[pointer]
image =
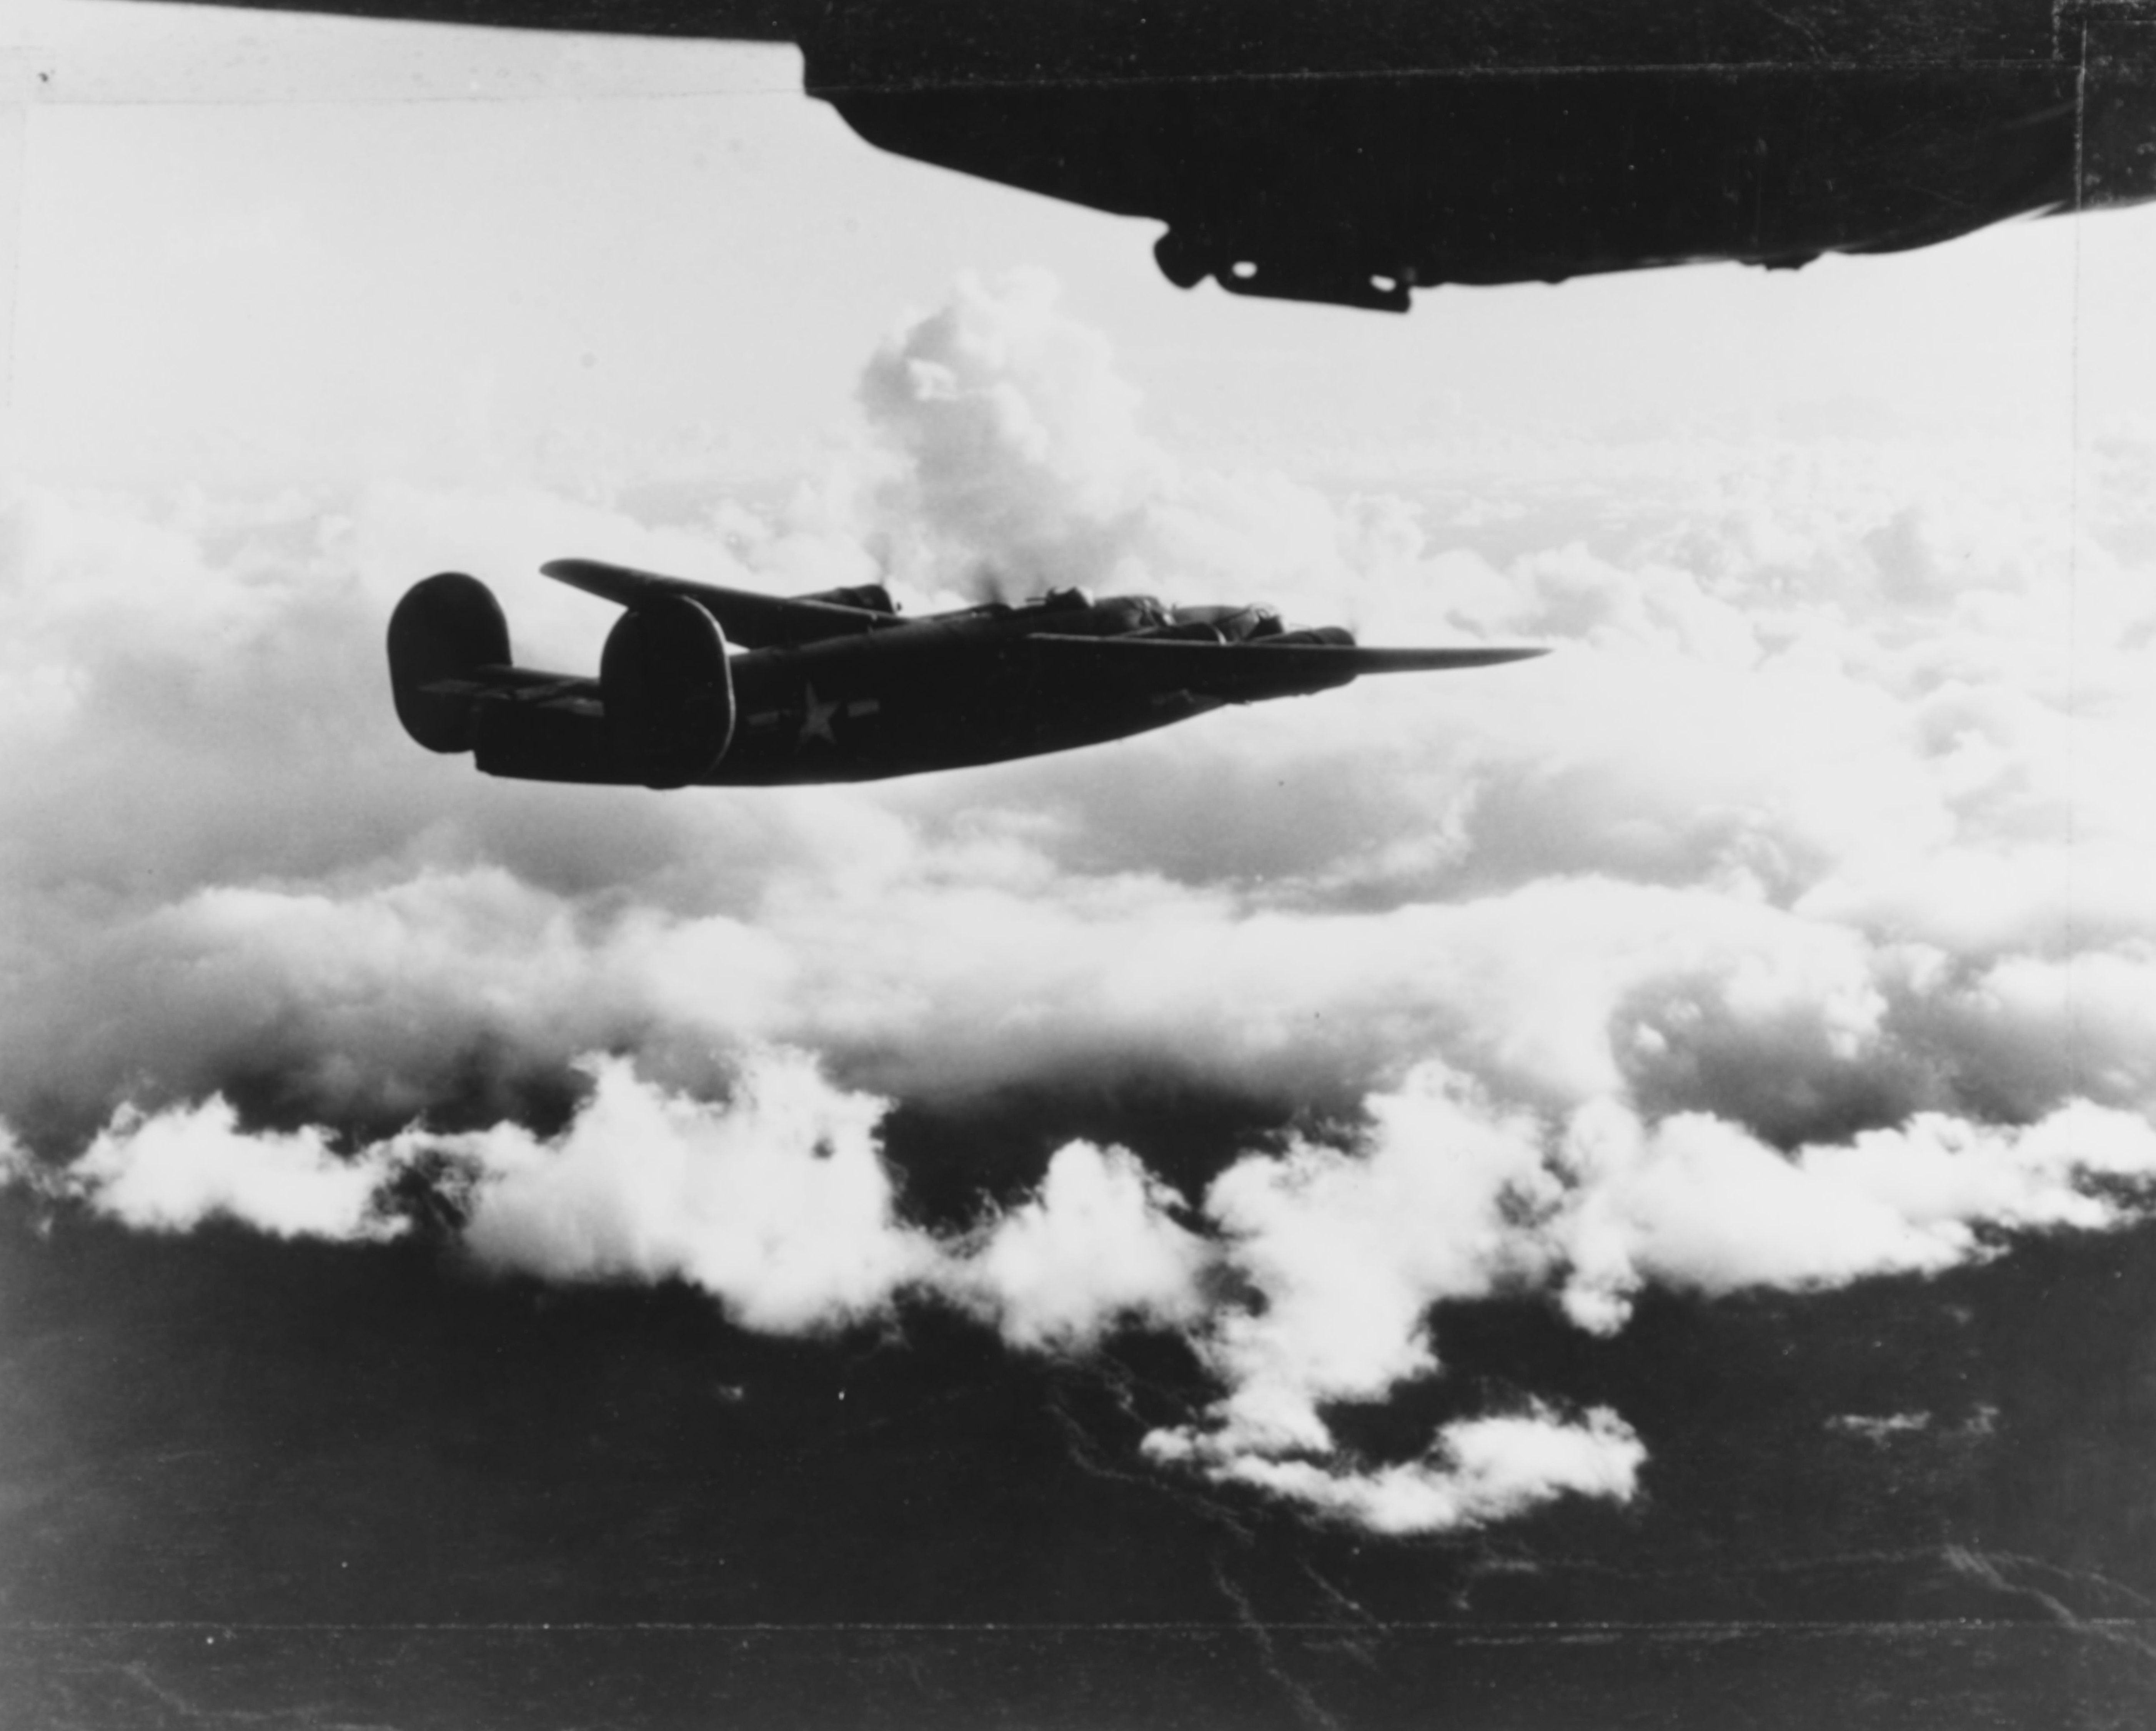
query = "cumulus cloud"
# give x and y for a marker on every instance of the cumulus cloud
(1025, 465)
(1697, 1202)
(172, 1171)
(1792, 925)
(1348, 1249)
(776, 1199)
(1478, 1470)
(1096, 1245)
(1305, 1281)
(1021, 463)
(1443, 1197)
(779, 1204)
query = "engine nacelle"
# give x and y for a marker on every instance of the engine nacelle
(1233, 624)
(869, 597)
(1333, 636)
(1186, 631)
(1312, 680)
(443, 630)
(668, 691)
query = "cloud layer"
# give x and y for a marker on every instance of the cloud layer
(1304, 1280)
(1792, 925)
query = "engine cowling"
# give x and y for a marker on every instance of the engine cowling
(869, 597)
(1310, 680)
(668, 691)
(445, 628)
(1186, 631)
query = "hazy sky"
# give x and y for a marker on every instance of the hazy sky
(266, 247)
(1792, 924)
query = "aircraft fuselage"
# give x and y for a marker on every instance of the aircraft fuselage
(944, 693)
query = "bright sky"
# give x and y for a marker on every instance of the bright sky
(256, 248)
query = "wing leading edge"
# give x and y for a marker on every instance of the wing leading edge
(1227, 667)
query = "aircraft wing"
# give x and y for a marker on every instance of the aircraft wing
(753, 620)
(1230, 667)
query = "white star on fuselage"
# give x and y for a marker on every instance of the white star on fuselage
(815, 719)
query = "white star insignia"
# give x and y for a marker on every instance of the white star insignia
(815, 719)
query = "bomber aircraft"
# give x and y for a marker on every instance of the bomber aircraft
(1352, 151)
(839, 685)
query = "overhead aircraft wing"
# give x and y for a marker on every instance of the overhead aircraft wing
(1227, 667)
(753, 620)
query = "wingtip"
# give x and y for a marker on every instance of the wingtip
(1464, 656)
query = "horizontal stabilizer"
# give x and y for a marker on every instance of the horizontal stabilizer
(576, 693)
(753, 620)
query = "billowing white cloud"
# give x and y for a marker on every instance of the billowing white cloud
(1096, 1246)
(1347, 1250)
(1305, 1281)
(1023, 465)
(777, 1204)
(170, 1172)
(1443, 1198)
(1478, 1470)
(1697, 1202)
(775, 1199)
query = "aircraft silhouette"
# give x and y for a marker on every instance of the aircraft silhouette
(837, 685)
(1353, 150)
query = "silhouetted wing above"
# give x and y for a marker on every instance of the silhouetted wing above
(731, 20)
(1355, 151)
(753, 620)
(1228, 667)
